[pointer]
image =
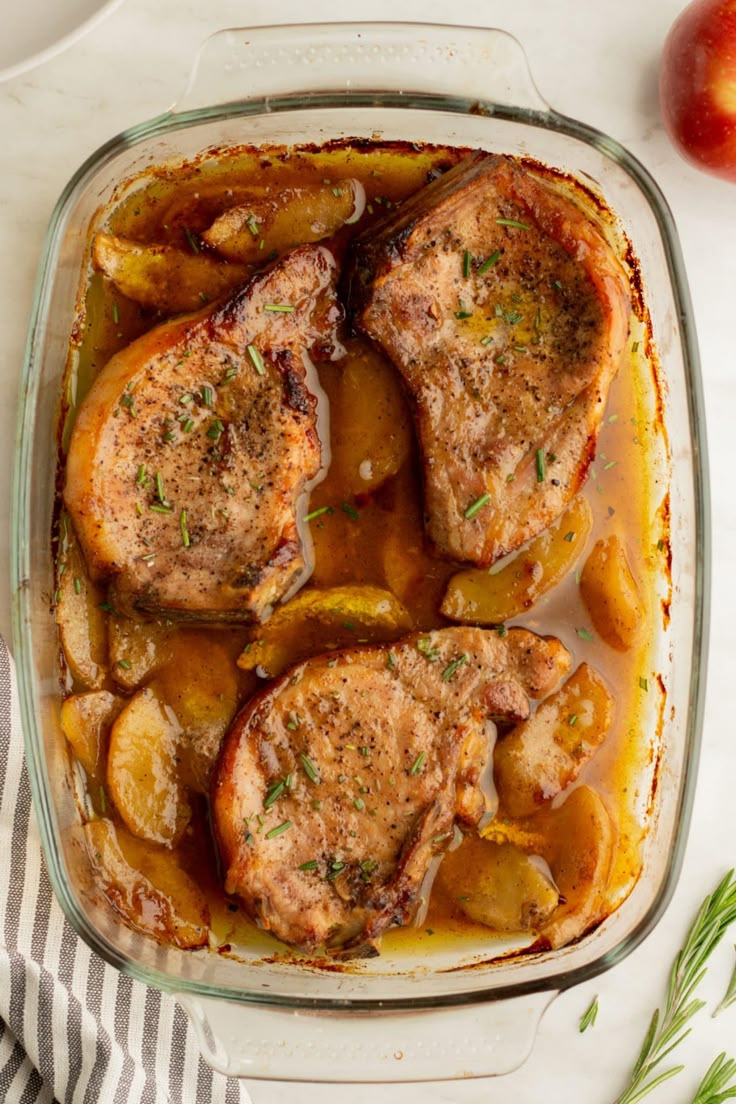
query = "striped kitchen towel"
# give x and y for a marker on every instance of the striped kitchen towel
(72, 1029)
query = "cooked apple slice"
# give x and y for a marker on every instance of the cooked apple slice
(137, 649)
(544, 754)
(317, 621)
(82, 622)
(499, 885)
(579, 843)
(609, 590)
(370, 433)
(162, 277)
(294, 215)
(482, 596)
(200, 684)
(85, 721)
(142, 770)
(147, 886)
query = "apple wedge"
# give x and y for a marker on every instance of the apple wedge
(142, 769)
(147, 886)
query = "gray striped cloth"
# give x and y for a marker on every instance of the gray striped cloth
(72, 1029)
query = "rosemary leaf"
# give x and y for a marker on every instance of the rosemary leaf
(729, 996)
(589, 1017)
(717, 1085)
(669, 1023)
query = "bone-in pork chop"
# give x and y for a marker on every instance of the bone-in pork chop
(506, 312)
(195, 443)
(339, 784)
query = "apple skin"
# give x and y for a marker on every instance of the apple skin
(697, 85)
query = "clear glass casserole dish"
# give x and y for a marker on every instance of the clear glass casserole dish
(451, 86)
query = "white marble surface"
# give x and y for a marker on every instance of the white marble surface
(593, 60)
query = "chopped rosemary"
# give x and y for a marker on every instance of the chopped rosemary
(572, 720)
(279, 308)
(311, 865)
(274, 793)
(359, 804)
(589, 1017)
(667, 1028)
(184, 530)
(570, 536)
(318, 513)
(418, 763)
(424, 645)
(309, 768)
(125, 664)
(476, 506)
(513, 222)
(541, 467)
(279, 829)
(193, 243)
(256, 359)
(466, 263)
(77, 585)
(584, 634)
(489, 262)
(294, 721)
(115, 312)
(140, 478)
(391, 661)
(350, 511)
(160, 509)
(451, 668)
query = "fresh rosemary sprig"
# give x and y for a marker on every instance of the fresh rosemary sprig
(730, 995)
(668, 1026)
(716, 1085)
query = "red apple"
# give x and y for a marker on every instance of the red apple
(697, 85)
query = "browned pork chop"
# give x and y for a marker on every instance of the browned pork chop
(506, 312)
(195, 443)
(338, 785)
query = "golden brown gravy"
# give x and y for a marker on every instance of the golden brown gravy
(381, 536)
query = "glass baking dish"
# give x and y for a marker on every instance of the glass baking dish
(447, 85)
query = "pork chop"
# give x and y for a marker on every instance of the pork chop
(339, 784)
(191, 451)
(506, 312)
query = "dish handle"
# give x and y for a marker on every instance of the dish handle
(287, 1044)
(485, 67)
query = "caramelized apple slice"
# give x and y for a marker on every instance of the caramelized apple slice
(162, 277)
(609, 590)
(482, 596)
(544, 754)
(499, 885)
(579, 842)
(292, 216)
(200, 684)
(85, 721)
(316, 621)
(142, 771)
(370, 434)
(137, 649)
(147, 886)
(82, 623)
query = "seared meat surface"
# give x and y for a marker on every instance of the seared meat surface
(339, 784)
(506, 312)
(195, 443)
